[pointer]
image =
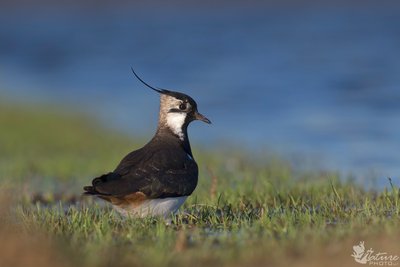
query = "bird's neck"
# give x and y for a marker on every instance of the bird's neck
(165, 133)
(174, 122)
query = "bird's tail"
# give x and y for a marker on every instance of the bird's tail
(90, 190)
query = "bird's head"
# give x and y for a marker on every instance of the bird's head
(177, 110)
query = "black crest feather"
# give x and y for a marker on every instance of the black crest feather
(177, 95)
(158, 90)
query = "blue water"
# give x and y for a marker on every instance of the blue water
(318, 86)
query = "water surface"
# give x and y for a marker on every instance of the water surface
(320, 86)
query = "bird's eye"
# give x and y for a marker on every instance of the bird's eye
(182, 106)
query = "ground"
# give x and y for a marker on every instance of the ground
(248, 210)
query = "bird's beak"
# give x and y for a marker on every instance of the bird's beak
(201, 117)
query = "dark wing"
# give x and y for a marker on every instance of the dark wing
(153, 172)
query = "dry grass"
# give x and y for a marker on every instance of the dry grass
(20, 248)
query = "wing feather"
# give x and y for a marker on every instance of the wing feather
(155, 173)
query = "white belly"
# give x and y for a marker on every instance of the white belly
(153, 207)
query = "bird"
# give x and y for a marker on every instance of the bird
(156, 179)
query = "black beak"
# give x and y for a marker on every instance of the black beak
(201, 117)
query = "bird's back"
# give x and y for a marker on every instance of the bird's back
(161, 169)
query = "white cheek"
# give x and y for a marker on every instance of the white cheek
(175, 122)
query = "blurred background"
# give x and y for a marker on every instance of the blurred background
(314, 82)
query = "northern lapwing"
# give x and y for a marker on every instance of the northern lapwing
(156, 179)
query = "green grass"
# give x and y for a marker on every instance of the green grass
(245, 211)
